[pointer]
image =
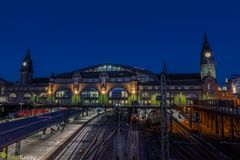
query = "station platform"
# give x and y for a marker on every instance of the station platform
(14, 131)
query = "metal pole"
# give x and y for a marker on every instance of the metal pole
(164, 117)
(232, 128)
(222, 126)
(119, 120)
(216, 125)
(171, 114)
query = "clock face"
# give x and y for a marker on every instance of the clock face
(208, 54)
(24, 64)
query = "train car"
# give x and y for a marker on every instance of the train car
(31, 112)
(23, 113)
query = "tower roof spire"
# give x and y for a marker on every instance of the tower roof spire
(28, 53)
(26, 70)
(27, 62)
(206, 47)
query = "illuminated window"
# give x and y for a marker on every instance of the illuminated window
(145, 95)
(172, 87)
(234, 89)
(186, 87)
(105, 68)
(90, 93)
(120, 80)
(12, 95)
(63, 94)
(27, 95)
(118, 93)
(127, 79)
(149, 87)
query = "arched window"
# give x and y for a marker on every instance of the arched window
(27, 95)
(63, 94)
(90, 93)
(42, 95)
(12, 95)
(118, 93)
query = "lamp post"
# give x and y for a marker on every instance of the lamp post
(50, 94)
(21, 104)
(34, 103)
(21, 99)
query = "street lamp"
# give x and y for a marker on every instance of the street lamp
(35, 103)
(50, 92)
(21, 104)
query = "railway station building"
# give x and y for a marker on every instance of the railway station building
(111, 84)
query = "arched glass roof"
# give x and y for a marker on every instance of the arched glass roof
(105, 68)
(95, 70)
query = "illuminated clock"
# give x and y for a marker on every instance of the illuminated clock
(208, 54)
(24, 64)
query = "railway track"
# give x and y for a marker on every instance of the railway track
(97, 148)
(196, 147)
(132, 143)
(182, 153)
(70, 149)
(120, 139)
(74, 147)
(101, 141)
(228, 148)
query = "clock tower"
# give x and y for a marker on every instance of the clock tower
(26, 71)
(207, 64)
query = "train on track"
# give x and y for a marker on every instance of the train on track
(27, 113)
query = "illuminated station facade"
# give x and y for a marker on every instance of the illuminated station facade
(112, 84)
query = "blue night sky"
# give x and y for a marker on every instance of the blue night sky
(68, 35)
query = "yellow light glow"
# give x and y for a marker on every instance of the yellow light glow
(103, 91)
(75, 92)
(208, 54)
(133, 91)
(24, 64)
(49, 92)
(234, 89)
